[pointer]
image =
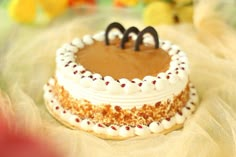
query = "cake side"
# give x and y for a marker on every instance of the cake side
(68, 117)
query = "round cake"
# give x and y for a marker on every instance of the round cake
(121, 83)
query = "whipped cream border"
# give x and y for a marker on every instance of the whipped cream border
(114, 130)
(83, 84)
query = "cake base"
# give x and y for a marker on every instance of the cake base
(103, 136)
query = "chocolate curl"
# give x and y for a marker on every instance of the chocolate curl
(151, 31)
(126, 35)
(110, 27)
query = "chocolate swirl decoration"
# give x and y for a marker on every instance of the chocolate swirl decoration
(126, 36)
(135, 30)
(110, 27)
(139, 39)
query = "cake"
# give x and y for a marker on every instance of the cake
(121, 83)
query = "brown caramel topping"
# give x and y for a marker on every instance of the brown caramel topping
(119, 63)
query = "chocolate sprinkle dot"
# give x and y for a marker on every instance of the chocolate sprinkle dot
(180, 113)
(77, 120)
(100, 125)
(139, 126)
(82, 72)
(168, 119)
(114, 128)
(127, 128)
(122, 85)
(118, 108)
(158, 104)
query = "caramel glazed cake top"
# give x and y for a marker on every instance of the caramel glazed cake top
(127, 70)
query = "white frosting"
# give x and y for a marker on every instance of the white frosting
(114, 34)
(99, 36)
(156, 127)
(86, 125)
(147, 87)
(131, 88)
(74, 120)
(51, 81)
(99, 128)
(99, 85)
(87, 39)
(161, 84)
(78, 43)
(166, 45)
(185, 111)
(141, 130)
(85, 82)
(126, 131)
(190, 106)
(123, 131)
(179, 118)
(167, 124)
(114, 88)
(71, 48)
(113, 130)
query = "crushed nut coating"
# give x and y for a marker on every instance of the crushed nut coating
(107, 114)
